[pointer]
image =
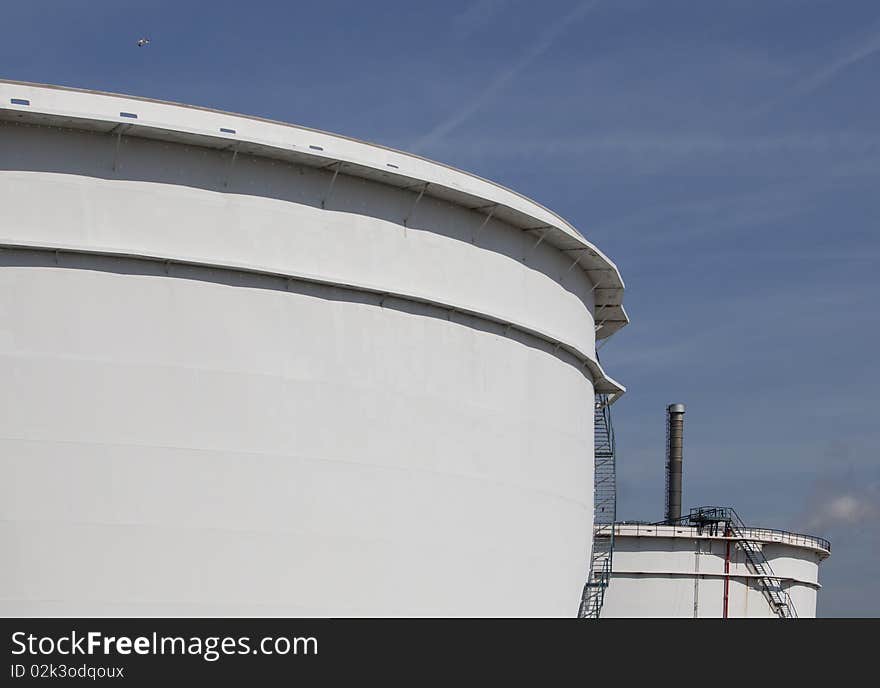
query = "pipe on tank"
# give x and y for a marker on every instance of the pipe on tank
(674, 440)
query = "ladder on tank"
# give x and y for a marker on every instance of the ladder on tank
(771, 586)
(604, 512)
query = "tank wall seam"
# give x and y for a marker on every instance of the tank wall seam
(566, 353)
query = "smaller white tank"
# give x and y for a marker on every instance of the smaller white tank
(686, 571)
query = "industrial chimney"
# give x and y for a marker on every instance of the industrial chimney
(674, 437)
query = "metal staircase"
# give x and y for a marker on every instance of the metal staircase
(710, 517)
(604, 512)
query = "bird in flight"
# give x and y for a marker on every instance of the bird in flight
(142, 42)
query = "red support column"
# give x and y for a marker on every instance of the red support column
(726, 573)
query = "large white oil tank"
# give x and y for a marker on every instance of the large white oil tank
(251, 368)
(684, 571)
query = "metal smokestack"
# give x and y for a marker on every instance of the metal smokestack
(674, 438)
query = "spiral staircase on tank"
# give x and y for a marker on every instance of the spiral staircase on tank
(604, 511)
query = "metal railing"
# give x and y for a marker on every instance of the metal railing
(787, 537)
(754, 533)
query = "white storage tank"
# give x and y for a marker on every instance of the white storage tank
(685, 571)
(707, 563)
(256, 369)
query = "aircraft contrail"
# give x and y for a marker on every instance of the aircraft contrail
(545, 40)
(815, 80)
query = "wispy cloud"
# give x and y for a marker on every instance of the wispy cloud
(543, 43)
(706, 216)
(862, 50)
(477, 15)
(772, 312)
(673, 144)
(839, 506)
(681, 222)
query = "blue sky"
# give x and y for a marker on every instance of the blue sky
(724, 154)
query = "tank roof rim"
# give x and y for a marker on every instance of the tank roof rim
(610, 270)
(811, 542)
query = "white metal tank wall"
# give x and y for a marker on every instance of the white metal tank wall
(270, 217)
(674, 571)
(220, 397)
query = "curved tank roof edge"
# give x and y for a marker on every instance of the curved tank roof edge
(301, 127)
(771, 536)
(616, 282)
